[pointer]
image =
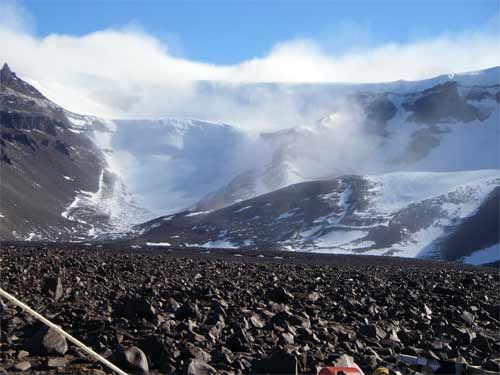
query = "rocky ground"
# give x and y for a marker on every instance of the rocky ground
(220, 312)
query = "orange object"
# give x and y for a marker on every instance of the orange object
(333, 370)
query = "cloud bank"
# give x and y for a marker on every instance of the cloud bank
(129, 73)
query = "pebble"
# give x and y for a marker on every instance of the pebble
(22, 366)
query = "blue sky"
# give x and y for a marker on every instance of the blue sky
(141, 58)
(228, 32)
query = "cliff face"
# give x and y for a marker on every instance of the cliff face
(43, 163)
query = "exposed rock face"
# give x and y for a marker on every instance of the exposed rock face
(379, 109)
(9, 79)
(442, 103)
(478, 231)
(351, 214)
(38, 150)
(54, 179)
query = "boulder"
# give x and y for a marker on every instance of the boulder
(131, 359)
(47, 341)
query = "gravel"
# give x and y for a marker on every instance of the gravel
(205, 313)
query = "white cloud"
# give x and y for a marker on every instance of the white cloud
(129, 73)
(14, 16)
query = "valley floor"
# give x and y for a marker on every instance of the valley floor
(243, 313)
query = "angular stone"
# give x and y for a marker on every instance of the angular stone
(483, 342)
(239, 341)
(22, 366)
(57, 362)
(492, 365)
(131, 359)
(313, 297)
(47, 341)
(187, 311)
(157, 351)
(280, 295)
(427, 310)
(52, 287)
(22, 354)
(467, 317)
(197, 367)
(280, 362)
(137, 307)
(256, 321)
(372, 331)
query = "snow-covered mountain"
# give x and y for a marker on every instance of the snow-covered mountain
(447, 127)
(168, 164)
(171, 164)
(396, 168)
(403, 213)
(55, 181)
(419, 163)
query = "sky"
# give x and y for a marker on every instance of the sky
(228, 32)
(141, 58)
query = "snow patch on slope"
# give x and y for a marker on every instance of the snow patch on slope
(169, 164)
(108, 210)
(396, 190)
(159, 244)
(219, 244)
(488, 255)
(457, 194)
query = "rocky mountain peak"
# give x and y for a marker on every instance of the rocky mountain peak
(9, 79)
(5, 70)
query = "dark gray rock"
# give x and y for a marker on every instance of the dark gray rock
(280, 362)
(22, 366)
(197, 367)
(52, 287)
(280, 295)
(131, 359)
(47, 341)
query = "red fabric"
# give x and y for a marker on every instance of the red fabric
(332, 370)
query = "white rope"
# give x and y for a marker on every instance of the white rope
(78, 343)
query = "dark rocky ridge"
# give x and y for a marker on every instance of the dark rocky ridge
(237, 314)
(280, 219)
(38, 149)
(9, 79)
(256, 218)
(440, 103)
(428, 113)
(479, 231)
(379, 109)
(46, 164)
